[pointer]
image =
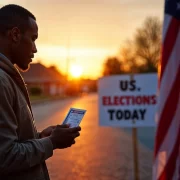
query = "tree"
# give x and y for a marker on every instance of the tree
(140, 54)
(128, 58)
(112, 66)
(147, 44)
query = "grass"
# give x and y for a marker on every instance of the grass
(35, 98)
(39, 97)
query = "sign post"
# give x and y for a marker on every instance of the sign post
(135, 153)
(128, 101)
(135, 147)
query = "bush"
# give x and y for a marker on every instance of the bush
(35, 91)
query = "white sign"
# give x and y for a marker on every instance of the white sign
(74, 117)
(126, 101)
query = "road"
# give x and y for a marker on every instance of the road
(100, 153)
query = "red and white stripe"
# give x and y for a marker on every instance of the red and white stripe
(166, 153)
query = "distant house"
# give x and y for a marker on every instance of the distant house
(88, 85)
(49, 80)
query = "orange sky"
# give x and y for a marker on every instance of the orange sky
(94, 29)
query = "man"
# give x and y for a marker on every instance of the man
(23, 150)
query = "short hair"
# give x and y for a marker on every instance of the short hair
(14, 16)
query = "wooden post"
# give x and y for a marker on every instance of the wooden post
(135, 154)
(135, 148)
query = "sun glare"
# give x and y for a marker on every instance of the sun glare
(76, 71)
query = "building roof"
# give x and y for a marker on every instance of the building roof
(38, 73)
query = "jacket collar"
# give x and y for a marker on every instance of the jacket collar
(14, 73)
(7, 66)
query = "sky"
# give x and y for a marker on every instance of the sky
(85, 32)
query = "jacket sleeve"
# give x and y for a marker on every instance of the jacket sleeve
(17, 156)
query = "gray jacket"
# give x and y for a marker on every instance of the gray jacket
(22, 153)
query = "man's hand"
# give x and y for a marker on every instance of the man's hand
(63, 136)
(47, 132)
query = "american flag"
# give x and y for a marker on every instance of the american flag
(167, 146)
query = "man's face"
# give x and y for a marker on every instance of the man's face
(25, 47)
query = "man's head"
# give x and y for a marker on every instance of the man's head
(18, 32)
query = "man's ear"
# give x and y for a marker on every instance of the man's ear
(15, 34)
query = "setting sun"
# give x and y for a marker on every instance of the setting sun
(76, 71)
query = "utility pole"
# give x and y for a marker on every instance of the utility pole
(67, 58)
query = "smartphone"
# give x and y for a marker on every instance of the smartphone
(74, 117)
